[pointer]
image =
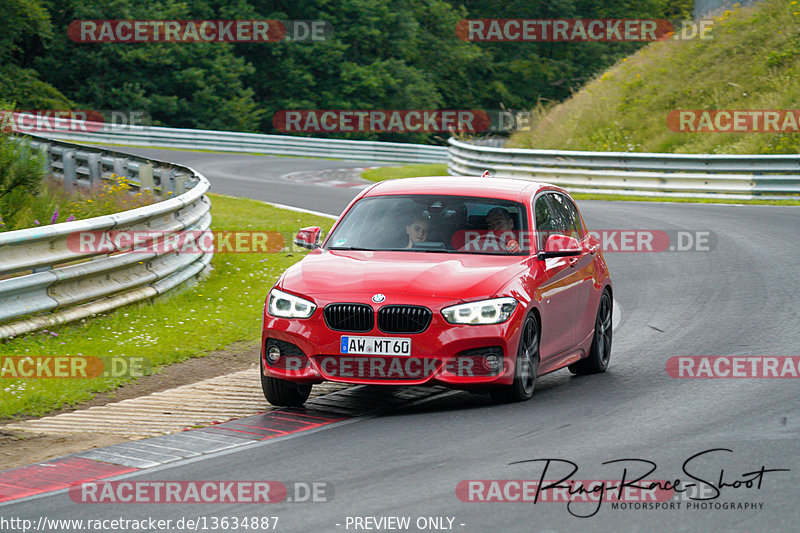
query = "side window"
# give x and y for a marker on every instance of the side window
(546, 222)
(556, 214)
(566, 215)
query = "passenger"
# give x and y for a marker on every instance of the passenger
(417, 231)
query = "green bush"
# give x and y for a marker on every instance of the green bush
(22, 173)
(28, 197)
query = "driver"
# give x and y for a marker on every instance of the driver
(499, 221)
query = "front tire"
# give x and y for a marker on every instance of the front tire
(526, 366)
(283, 393)
(600, 352)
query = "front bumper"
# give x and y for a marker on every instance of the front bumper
(448, 354)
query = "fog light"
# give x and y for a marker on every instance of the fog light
(493, 362)
(273, 354)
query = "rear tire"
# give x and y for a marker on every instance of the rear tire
(526, 366)
(283, 393)
(600, 352)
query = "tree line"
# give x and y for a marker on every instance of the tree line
(380, 54)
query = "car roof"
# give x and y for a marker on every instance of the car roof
(501, 188)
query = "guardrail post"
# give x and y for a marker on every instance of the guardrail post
(69, 169)
(48, 150)
(166, 175)
(95, 169)
(44, 149)
(146, 177)
(168, 183)
(180, 184)
(121, 167)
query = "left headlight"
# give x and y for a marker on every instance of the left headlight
(285, 305)
(492, 311)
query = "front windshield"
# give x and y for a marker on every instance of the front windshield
(433, 223)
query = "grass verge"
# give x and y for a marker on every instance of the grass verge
(407, 171)
(223, 308)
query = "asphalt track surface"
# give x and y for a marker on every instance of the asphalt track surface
(264, 177)
(741, 298)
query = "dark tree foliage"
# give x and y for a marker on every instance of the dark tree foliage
(384, 54)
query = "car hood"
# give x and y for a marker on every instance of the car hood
(448, 276)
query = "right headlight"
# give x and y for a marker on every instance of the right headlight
(492, 311)
(285, 305)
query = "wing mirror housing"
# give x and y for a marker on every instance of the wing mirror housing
(308, 237)
(560, 246)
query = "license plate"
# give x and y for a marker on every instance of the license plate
(376, 345)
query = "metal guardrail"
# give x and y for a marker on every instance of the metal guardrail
(49, 274)
(629, 173)
(767, 177)
(228, 141)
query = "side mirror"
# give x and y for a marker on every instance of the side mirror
(308, 237)
(560, 246)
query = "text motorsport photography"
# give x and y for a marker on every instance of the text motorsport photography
(708, 482)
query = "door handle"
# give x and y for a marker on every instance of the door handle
(573, 261)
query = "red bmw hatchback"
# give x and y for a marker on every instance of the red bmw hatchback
(481, 284)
